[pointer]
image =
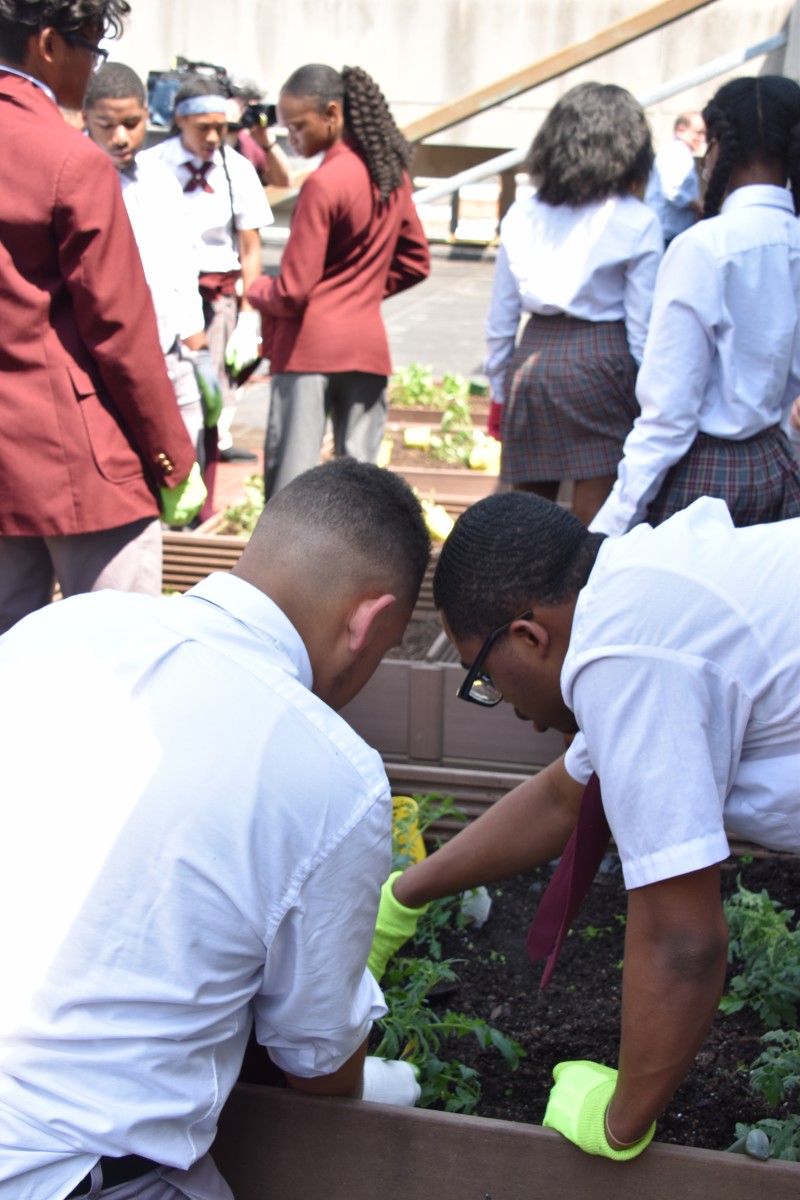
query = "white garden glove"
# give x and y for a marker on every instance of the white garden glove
(242, 348)
(387, 1081)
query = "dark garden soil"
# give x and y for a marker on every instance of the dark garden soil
(577, 1015)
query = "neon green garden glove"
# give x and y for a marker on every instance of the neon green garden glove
(577, 1108)
(395, 925)
(181, 504)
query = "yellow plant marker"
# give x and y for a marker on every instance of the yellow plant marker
(406, 837)
(417, 436)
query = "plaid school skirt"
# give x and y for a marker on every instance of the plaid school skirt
(758, 478)
(570, 400)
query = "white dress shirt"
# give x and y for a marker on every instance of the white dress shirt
(192, 839)
(209, 213)
(683, 672)
(723, 352)
(597, 262)
(155, 206)
(673, 186)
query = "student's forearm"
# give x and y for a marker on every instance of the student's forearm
(675, 959)
(526, 828)
(347, 1081)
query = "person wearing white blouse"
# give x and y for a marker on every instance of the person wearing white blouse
(721, 365)
(579, 256)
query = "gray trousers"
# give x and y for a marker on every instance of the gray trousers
(299, 407)
(127, 559)
(201, 1182)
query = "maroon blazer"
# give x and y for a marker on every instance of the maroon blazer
(89, 424)
(346, 252)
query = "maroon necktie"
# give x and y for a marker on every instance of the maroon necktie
(571, 880)
(198, 177)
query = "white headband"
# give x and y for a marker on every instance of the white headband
(200, 104)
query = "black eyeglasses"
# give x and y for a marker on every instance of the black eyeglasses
(99, 55)
(478, 687)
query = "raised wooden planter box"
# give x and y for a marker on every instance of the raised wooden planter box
(272, 1142)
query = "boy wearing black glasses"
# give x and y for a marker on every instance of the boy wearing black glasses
(680, 678)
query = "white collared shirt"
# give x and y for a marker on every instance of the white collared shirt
(155, 206)
(683, 672)
(597, 262)
(209, 213)
(673, 186)
(193, 837)
(723, 352)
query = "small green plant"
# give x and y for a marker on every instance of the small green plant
(413, 1030)
(240, 519)
(413, 386)
(776, 1071)
(592, 931)
(769, 952)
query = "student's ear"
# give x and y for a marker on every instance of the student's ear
(44, 43)
(362, 619)
(532, 634)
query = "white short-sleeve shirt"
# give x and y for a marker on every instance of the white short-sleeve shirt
(209, 214)
(193, 841)
(155, 206)
(683, 672)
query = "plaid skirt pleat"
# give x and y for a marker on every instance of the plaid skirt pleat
(758, 478)
(570, 400)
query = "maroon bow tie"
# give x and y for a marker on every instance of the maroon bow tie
(571, 880)
(198, 177)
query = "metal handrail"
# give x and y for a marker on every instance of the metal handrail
(513, 158)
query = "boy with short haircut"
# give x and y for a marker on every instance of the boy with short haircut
(115, 114)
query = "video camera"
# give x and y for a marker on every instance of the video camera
(163, 85)
(259, 114)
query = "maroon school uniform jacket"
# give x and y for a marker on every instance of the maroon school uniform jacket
(346, 252)
(89, 425)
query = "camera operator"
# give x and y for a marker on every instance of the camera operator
(257, 142)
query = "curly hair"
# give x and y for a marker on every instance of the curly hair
(594, 143)
(21, 19)
(753, 120)
(508, 552)
(368, 121)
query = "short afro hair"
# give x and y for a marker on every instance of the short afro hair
(507, 553)
(114, 81)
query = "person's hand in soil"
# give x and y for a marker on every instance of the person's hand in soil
(578, 1108)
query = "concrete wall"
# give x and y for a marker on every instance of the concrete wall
(427, 52)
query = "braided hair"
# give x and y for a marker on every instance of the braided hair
(506, 553)
(367, 119)
(753, 120)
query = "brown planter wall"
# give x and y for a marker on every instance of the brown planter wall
(273, 1143)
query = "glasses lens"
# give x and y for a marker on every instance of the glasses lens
(484, 691)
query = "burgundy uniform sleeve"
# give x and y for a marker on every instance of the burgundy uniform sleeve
(411, 262)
